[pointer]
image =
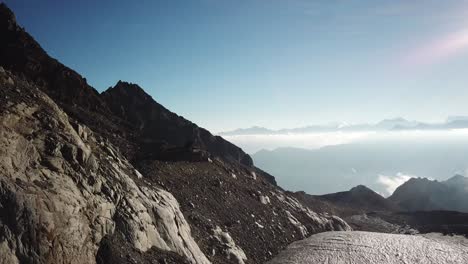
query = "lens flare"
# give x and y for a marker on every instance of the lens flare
(439, 50)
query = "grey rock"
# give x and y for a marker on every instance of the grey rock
(59, 196)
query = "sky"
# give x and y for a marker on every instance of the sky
(273, 63)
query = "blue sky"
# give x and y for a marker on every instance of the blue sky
(273, 63)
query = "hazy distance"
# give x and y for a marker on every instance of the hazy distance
(332, 161)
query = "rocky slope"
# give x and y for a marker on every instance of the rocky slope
(365, 247)
(117, 178)
(62, 189)
(258, 216)
(422, 194)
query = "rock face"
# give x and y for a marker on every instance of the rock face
(117, 178)
(422, 194)
(365, 247)
(62, 189)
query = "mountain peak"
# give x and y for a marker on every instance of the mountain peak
(457, 180)
(396, 119)
(128, 92)
(359, 199)
(361, 189)
(123, 85)
(127, 85)
(6, 15)
(457, 177)
(423, 194)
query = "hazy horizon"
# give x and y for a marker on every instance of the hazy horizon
(316, 140)
(321, 163)
(344, 124)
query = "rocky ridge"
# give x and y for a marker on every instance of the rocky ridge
(421, 194)
(357, 200)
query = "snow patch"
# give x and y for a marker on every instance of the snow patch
(369, 248)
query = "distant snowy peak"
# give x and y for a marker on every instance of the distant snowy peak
(255, 130)
(393, 124)
(398, 122)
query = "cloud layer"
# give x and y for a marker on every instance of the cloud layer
(390, 183)
(254, 143)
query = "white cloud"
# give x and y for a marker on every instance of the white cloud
(254, 143)
(390, 183)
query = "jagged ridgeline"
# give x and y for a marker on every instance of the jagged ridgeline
(114, 177)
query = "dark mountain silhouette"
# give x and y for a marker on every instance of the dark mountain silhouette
(159, 129)
(358, 200)
(421, 194)
(366, 210)
(21, 54)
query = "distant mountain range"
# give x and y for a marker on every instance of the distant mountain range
(361, 199)
(358, 200)
(418, 205)
(416, 194)
(399, 123)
